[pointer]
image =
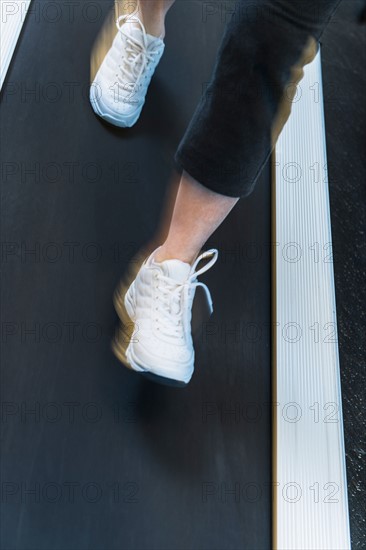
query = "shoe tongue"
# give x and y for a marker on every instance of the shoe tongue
(133, 29)
(175, 269)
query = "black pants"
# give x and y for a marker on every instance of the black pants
(248, 100)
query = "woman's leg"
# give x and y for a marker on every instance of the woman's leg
(222, 153)
(198, 211)
(238, 121)
(153, 14)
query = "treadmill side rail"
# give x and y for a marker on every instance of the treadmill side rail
(12, 16)
(309, 470)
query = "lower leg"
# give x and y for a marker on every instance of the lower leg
(198, 212)
(151, 12)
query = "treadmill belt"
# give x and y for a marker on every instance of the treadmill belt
(94, 456)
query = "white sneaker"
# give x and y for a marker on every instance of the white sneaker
(118, 91)
(159, 305)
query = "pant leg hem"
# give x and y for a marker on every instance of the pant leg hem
(184, 162)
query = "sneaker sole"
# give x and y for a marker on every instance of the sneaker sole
(158, 378)
(120, 351)
(127, 122)
(163, 381)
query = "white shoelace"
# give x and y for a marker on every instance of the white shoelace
(175, 314)
(138, 57)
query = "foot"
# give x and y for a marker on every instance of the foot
(158, 304)
(118, 91)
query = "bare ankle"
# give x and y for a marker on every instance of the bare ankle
(165, 253)
(152, 15)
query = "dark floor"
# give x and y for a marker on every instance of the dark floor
(116, 462)
(344, 82)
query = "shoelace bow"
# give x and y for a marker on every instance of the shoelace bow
(138, 56)
(176, 296)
